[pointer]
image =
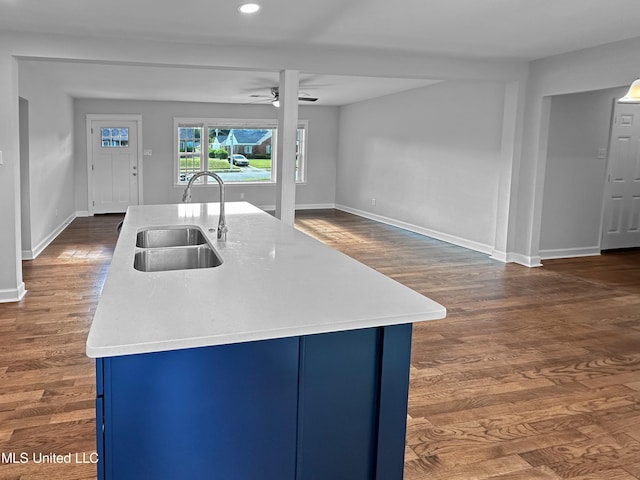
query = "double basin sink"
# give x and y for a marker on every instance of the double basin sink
(173, 248)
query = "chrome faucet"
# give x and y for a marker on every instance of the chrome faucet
(186, 198)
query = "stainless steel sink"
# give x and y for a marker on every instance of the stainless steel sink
(170, 237)
(176, 258)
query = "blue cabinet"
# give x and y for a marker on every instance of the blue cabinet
(314, 407)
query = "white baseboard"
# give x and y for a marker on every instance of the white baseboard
(39, 248)
(305, 206)
(13, 294)
(525, 260)
(569, 252)
(445, 237)
(316, 206)
(510, 257)
(500, 256)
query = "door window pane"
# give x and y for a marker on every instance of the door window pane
(115, 137)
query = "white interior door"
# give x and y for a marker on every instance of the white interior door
(115, 165)
(621, 222)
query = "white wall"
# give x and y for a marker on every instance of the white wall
(51, 161)
(429, 157)
(157, 135)
(11, 284)
(579, 127)
(25, 189)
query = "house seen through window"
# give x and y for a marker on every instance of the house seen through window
(238, 151)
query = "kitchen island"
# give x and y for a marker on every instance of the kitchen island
(286, 360)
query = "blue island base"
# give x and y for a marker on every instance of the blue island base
(316, 407)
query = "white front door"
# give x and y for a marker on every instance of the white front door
(114, 165)
(621, 221)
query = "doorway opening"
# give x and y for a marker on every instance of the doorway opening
(577, 154)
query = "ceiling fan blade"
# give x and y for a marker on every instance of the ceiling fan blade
(275, 93)
(260, 99)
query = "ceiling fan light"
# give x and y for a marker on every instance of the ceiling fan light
(633, 95)
(249, 8)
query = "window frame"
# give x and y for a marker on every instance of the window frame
(211, 122)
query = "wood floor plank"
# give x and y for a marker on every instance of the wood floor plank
(633, 469)
(588, 457)
(534, 374)
(496, 467)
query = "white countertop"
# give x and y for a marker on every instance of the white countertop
(274, 282)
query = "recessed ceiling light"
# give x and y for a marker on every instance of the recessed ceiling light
(249, 8)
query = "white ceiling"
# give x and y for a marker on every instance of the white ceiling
(82, 80)
(481, 29)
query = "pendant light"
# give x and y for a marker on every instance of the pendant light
(633, 95)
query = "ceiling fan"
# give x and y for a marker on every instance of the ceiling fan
(275, 97)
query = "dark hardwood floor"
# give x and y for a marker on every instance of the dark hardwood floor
(534, 374)
(47, 384)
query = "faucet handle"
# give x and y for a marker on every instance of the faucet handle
(222, 232)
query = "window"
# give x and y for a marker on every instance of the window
(189, 150)
(115, 137)
(238, 151)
